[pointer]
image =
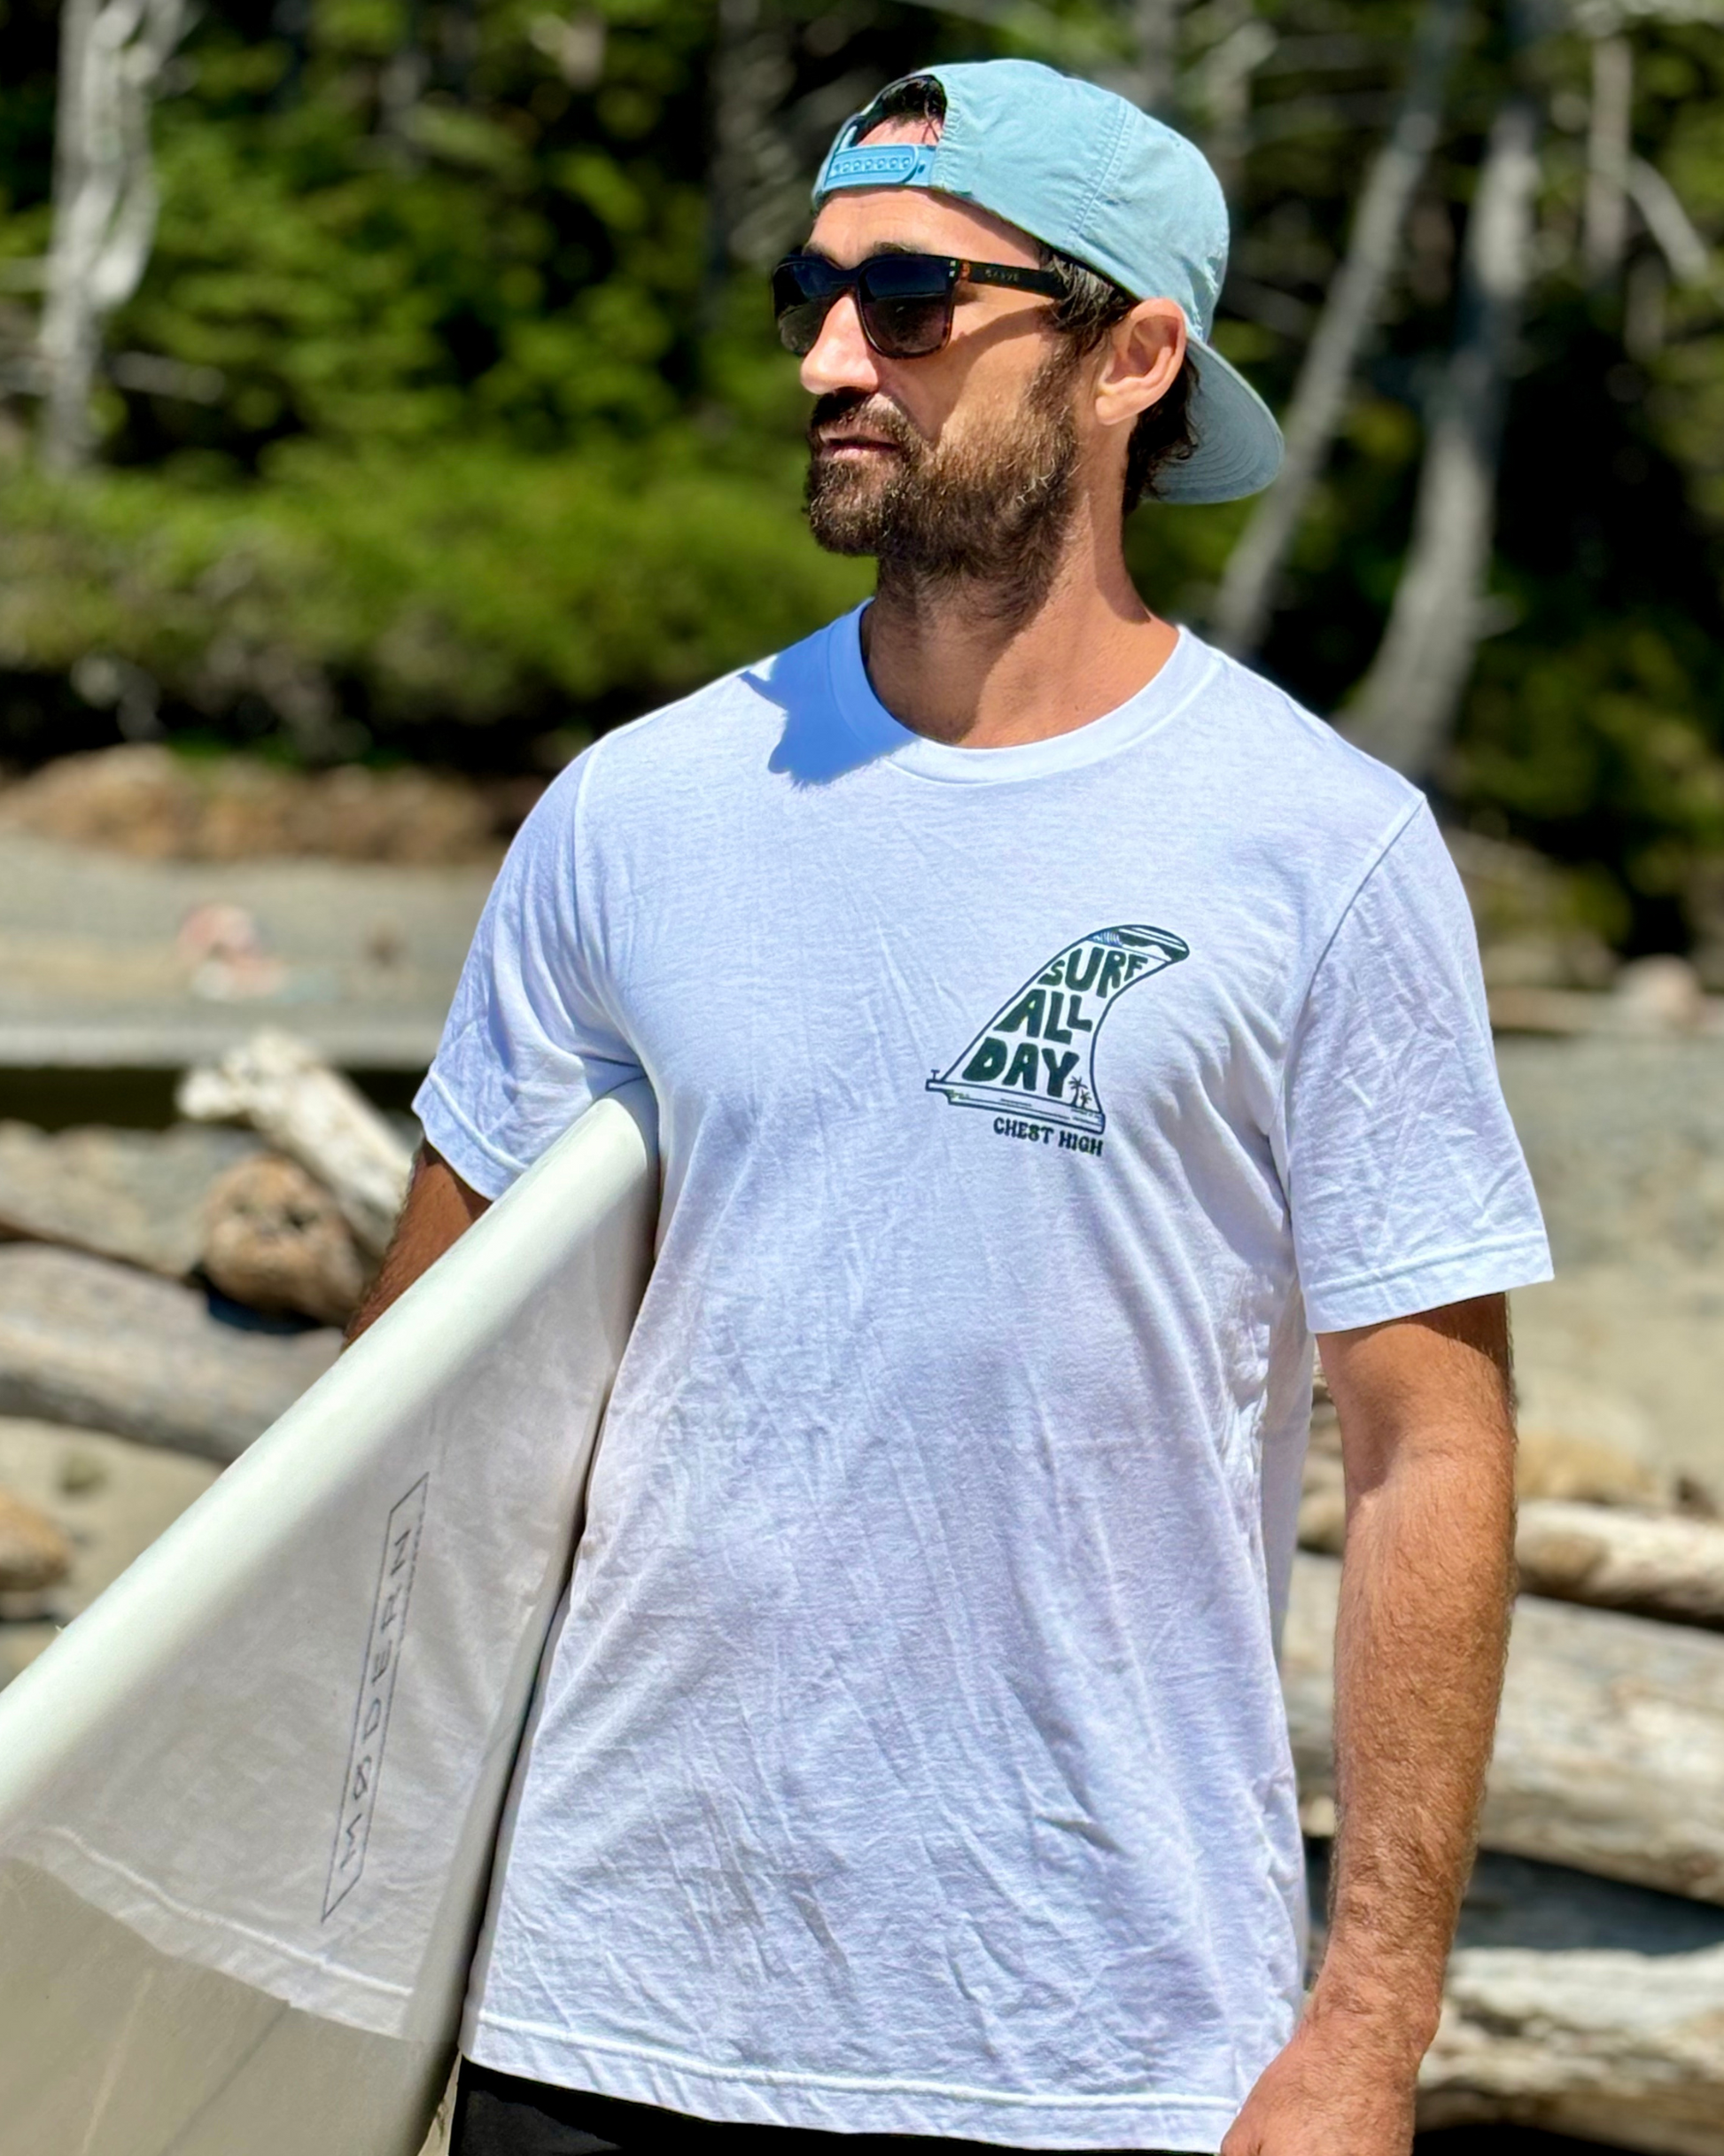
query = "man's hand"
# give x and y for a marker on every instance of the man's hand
(1428, 1442)
(1334, 2091)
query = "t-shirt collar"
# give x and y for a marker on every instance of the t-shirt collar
(1186, 668)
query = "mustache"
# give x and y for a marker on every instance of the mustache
(879, 414)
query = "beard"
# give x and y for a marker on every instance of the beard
(989, 510)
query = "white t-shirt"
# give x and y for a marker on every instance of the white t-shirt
(911, 1757)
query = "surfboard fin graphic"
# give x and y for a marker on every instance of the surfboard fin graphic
(1035, 1055)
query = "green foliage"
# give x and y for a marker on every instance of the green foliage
(469, 585)
(366, 267)
(502, 443)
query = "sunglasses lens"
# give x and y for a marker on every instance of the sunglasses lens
(801, 297)
(905, 302)
(799, 325)
(906, 306)
(906, 329)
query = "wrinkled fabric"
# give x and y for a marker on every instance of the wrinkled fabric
(911, 1759)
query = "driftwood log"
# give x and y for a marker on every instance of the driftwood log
(1661, 1565)
(1622, 2048)
(1596, 1526)
(1652, 1564)
(106, 1348)
(137, 1196)
(1610, 1755)
(282, 1088)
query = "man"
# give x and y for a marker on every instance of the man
(1052, 1026)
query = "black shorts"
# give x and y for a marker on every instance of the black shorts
(499, 2114)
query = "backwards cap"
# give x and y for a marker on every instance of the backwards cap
(1087, 173)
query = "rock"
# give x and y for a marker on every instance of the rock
(132, 1194)
(1643, 1340)
(107, 1497)
(80, 1472)
(1323, 1496)
(1625, 1138)
(148, 801)
(100, 1346)
(274, 1239)
(1616, 2047)
(1531, 914)
(1610, 1754)
(1659, 995)
(33, 1554)
(21, 1644)
(1583, 1440)
(1552, 1464)
(1322, 1508)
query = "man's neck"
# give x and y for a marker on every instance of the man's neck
(948, 664)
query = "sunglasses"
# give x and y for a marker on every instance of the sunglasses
(904, 301)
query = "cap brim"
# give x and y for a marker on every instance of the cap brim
(1239, 445)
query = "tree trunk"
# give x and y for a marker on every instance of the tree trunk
(1404, 708)
(1217, 90)
(1610, 1754)
(1155, 26)
(1669, 223)
(111, 55)
(1608, 132)
(1248, 593)
(753, 176)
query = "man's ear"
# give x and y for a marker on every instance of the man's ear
(1143, 351)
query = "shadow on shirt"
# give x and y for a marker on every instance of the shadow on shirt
(821, 740)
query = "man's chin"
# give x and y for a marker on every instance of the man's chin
(846, 507)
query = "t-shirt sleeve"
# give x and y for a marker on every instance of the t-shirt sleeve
(531, 1040)
(1406, 1182)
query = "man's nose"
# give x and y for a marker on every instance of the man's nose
(842, 357)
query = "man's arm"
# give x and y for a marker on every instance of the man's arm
(439, 1210)
(1427, 1441)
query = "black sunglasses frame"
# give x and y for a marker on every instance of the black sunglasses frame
(809, 281)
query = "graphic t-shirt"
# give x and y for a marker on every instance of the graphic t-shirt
(910, 1757)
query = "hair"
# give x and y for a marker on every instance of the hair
(1084, 311)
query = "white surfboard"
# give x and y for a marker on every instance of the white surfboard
(248, 1800)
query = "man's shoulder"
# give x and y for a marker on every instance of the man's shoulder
(1276, 774)
(726, 730)
(1261, 715)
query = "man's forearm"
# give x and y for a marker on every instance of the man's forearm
(1427, 1437)
(438, 1210)
(1426, 1584)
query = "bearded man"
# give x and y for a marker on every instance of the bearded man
(1053, 1027)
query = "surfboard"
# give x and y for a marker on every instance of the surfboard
(248, 1800)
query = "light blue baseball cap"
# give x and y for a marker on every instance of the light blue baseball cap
(1086, 173)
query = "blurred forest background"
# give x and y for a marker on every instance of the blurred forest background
(392, 380)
